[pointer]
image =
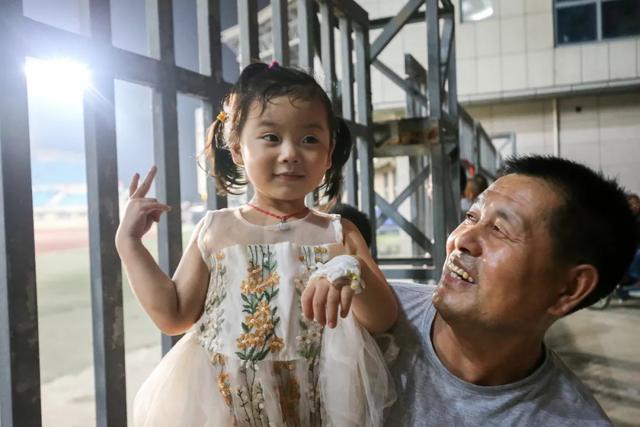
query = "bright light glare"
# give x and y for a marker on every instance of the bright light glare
(483, 14)
(60, 78)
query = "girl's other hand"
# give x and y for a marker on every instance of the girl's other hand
(321, 300)
(140, 212)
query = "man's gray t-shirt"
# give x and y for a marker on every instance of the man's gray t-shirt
(429, 395)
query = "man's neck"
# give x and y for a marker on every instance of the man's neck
(486, 360)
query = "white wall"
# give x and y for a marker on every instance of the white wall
(514, 51)
(533, 123)
(605, 134)
(600, 131)
(508, 54)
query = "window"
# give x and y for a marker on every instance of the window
(476, 10)
(590, 20)
(620, 18)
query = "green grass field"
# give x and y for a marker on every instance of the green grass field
(64, 313)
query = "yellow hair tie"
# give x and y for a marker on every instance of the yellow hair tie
(222, 116)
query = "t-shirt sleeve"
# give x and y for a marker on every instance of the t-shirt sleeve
(414, 299)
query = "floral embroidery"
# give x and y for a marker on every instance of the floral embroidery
(244, 395)
(259, 328)
(225, 387)
(251, 397)
(258, 289)
(289, 391)
(209, 329)
(310, 339)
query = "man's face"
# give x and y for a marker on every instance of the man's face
(500, 271)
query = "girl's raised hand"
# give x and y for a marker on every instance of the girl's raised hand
(140, 212)
(321, 300)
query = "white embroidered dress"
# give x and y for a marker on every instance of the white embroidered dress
(252, 359)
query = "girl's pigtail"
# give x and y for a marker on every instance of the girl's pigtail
(333, 177)
(227, 174)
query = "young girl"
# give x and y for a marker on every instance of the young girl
(257, 285)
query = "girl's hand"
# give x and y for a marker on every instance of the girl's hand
(321, 300)
(140, 212)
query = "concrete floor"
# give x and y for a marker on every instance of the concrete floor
(603, 349)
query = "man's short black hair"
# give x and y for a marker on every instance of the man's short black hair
(359, 219)
(594, 225)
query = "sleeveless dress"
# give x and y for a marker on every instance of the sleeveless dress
(252, 359)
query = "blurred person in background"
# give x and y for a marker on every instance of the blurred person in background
(358, 218)
(633, 274)
(475, 186)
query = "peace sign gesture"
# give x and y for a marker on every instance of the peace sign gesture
(140, 212)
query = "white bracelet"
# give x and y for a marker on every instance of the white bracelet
(339, 267)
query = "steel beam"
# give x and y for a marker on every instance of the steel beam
(20, 403)
(103, 216)
(376, 23)
(438, 155)
(418, 198)
(394, 26)
(280, 31)
(408, 87)
(446, 44)
(452, 79)
(416, 234)
(106, 275)
(354, 11)
(214, 102)
(416, 181)
(346, 52)
(348, 106)
(166, 152)
(305, 34)
(364, 117)
(327, 48)
(416, 75)
(248, 21)
(415, 70)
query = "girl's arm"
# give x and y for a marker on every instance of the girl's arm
(173, 304)
(376, 307)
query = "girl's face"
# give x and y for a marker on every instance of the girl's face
(286, 148)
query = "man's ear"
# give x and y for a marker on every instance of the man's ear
(236, 154)
(581, 280)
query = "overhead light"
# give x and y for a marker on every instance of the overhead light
(59, 78)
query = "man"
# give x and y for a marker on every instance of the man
(548, 238)
(474, 187)
(632, 277)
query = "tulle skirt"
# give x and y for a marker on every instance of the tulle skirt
(347, 384)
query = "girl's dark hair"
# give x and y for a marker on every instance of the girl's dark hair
(261, 83)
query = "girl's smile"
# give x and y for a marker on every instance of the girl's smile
(289, 176)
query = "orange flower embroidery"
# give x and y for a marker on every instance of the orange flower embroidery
(225, 387)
